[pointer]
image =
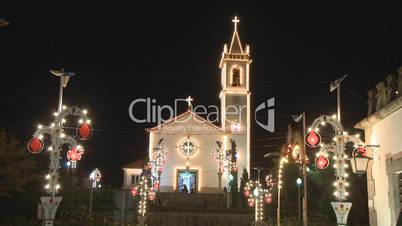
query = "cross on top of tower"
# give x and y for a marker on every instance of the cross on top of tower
(235, 21)
(189, 100)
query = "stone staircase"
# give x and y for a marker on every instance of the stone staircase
(198, 209)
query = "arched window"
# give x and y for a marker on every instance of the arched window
(236, 77)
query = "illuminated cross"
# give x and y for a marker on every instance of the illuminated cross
(235, 21)
(189, 99)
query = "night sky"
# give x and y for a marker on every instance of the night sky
(171, 50)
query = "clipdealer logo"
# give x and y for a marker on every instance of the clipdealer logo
(157, 113)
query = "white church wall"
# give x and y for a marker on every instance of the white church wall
(206, 138)
(388, 134)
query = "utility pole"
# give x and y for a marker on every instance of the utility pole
(337, 85)
(298, 182)
(303, 159)
(218, 156)
(303, 155)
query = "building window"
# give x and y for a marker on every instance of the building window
(236, 77)
(135, 179)
(188, 147)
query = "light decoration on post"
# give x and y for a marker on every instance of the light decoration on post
(95, 177)
(218, 156)
(144, 191)
(159, 158)
(340, 158)
(321, 161)
(35, 145)
(84, 131)
(58, 139)
(283, 161)
(256, 197)
(313, 138)
(148, 185)
(74, 155)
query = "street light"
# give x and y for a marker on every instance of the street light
(58, 139)
(298, 182)
(359, 161)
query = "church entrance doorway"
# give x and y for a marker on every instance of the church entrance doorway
(187, 180)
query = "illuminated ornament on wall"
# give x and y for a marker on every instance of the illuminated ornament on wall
(84, 131)
(134, 191)
(321, 162)
(268, 198)
(251, 202)
(313, 139)
(35, 145)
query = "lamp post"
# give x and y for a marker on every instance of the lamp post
(303, 157)
(341, 138)
(58, 139)
(298, 182)
(95, 177)
(278, 212)
(360, 160)
(231, 166)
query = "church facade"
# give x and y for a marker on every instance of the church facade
(190, 138)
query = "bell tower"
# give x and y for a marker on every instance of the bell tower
(235, 95)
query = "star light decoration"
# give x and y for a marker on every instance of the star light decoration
(58, 139)
(257, 196)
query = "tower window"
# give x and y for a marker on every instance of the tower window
(236, 77)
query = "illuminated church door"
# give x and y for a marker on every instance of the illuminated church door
(187, 179)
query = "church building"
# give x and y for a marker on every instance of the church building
(190, 138)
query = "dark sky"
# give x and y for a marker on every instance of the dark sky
(172, 50)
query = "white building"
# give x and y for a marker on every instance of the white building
(383, 126)
(132, 173)
(190, 138)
